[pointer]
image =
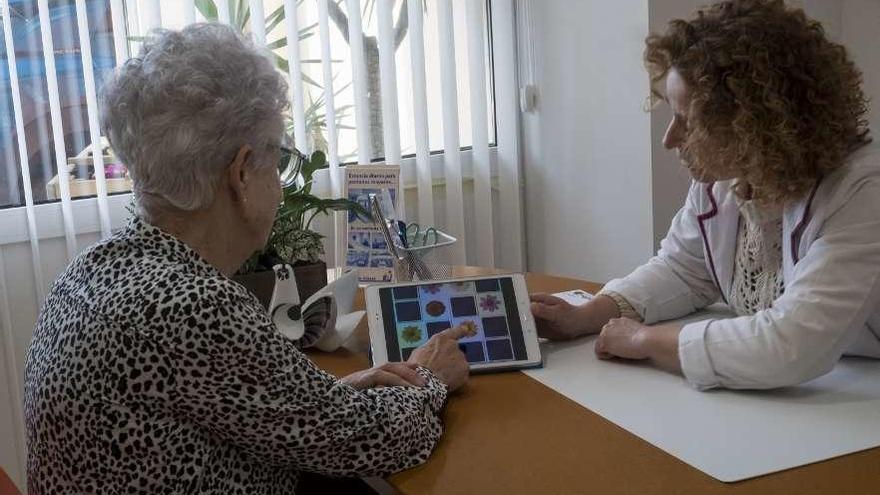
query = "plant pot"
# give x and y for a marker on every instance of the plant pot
(260, 284)
(310, 278)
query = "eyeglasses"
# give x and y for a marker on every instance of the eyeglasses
(290, 163)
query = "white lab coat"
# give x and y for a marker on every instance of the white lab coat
(831, 266)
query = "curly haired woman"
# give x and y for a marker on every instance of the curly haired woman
(781, 223)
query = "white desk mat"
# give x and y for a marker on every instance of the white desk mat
(729, 435)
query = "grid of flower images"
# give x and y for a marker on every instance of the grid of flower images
(421, 312)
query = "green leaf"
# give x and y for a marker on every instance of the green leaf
(318, 61)
(279, 43)
(242, 12)
(208, 9)
(317, 162)
(340, 90)
(308, 30)
(309, 80)
(284, 66)
(368, 10)
(282, 63)
(318, 159)
(274, 18)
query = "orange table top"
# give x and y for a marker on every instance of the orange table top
(507, 433)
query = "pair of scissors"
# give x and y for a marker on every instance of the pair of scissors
(414, 230)
(383, 225)
(402, 232)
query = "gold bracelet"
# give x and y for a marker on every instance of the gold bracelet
(626, 309)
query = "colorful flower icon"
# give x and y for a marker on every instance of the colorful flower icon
(411, 334)
(490, 303)
(432, 288)
(435, 308)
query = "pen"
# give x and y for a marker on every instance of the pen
(401, 231)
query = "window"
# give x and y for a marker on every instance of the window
(38, 137)
(311, 55)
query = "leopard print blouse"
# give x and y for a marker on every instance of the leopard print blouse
(151, 372)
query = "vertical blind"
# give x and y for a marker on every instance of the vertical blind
(451, 143)
(22, 152)
(428, 60)
(330, 118)
(57, 128)
(133, 19)
(482, 172)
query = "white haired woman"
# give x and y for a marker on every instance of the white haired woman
(150, 370)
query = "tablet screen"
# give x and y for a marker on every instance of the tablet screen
(412, 314)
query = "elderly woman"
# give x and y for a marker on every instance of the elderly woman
(782, 222)
(150, 370)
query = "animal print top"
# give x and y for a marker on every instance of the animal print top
(151, 372)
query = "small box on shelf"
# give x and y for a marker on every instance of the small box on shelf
(116, 175)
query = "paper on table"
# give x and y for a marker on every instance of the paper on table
(729, 435)
(576, 297)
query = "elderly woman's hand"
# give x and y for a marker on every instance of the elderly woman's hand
(440, 354)
(387, 375)
(443, 357)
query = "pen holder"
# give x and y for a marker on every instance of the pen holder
(425, 261)
(421, 256)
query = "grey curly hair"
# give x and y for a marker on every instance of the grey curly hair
(177, 113)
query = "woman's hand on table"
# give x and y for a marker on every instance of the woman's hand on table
(624, 338)
(443, 357)
(559, 320)
(386, 375)
(629, 339)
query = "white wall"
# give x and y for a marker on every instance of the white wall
(587, 146)
(854, 24)
(860, 33)
(23, 308)
(669, 179)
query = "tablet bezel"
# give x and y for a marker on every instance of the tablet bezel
(379, 345)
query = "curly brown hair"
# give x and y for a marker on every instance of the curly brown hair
(771, 97)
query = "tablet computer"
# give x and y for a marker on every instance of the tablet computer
(404, 316)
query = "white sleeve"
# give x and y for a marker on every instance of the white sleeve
(835, 289)
(676, 282)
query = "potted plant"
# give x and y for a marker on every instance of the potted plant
(292, 241)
